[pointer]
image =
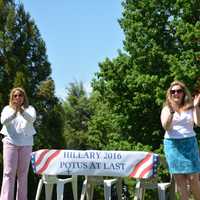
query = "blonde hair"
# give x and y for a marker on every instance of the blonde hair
(22, 91)
(187, 98)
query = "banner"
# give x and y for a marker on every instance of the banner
(137, 164)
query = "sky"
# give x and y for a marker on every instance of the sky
(78, 35)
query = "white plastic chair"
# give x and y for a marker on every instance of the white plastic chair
(50, 180)
(141, 186)
(153, 183)
(91, 181)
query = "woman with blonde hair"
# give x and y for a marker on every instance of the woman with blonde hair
(178, 117)
(17, 119)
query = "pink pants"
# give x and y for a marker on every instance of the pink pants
(16, 160)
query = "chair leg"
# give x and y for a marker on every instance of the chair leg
(87, 190)
(75, 187)
(119, 188)
(107, 191)
(48, 191)
(139, 192)
(161, 194)
(84, 189)
(172, 190)
(39, 189)
(60, 191)
(142, 193)
(90, 191)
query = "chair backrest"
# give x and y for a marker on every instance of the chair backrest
(157, 182)
(161, 175)
(95, 179)
(49, 179)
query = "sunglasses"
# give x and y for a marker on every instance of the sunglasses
(18, 95)
(179, 91)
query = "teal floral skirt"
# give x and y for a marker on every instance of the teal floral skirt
(182, 155)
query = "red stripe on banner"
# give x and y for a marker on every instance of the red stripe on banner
(41, 156)
(148, 156)
(50, 158)
(146, 170)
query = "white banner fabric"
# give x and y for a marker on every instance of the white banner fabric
(137, 164)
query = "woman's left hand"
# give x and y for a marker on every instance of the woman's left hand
(196, 100)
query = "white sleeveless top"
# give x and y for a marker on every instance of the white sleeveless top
(182, 125)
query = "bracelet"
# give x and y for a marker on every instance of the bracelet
(172, 112)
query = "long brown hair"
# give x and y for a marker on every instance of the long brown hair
(187, 98)
(22, 91)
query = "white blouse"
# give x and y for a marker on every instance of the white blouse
(18, 129)
(182, 125)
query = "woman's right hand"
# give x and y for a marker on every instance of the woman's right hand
(171, 109)
(166, 118)
(16, 106)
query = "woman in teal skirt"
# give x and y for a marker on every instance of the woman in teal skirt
(178, 117)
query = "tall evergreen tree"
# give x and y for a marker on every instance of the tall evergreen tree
(24, 62)
(77, 115)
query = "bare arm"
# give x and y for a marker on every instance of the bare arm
(196, 110)
(166, 118)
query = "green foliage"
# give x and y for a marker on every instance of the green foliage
(51, 129)
(20, 80)
(24, 63)
(77, 113)
(161, 44)
(23, 60)
(103, 127)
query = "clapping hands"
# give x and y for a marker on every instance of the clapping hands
(18, 108)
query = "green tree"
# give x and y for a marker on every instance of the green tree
(24, 62)
(161, 44)
(50, 120)
(77, 114)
